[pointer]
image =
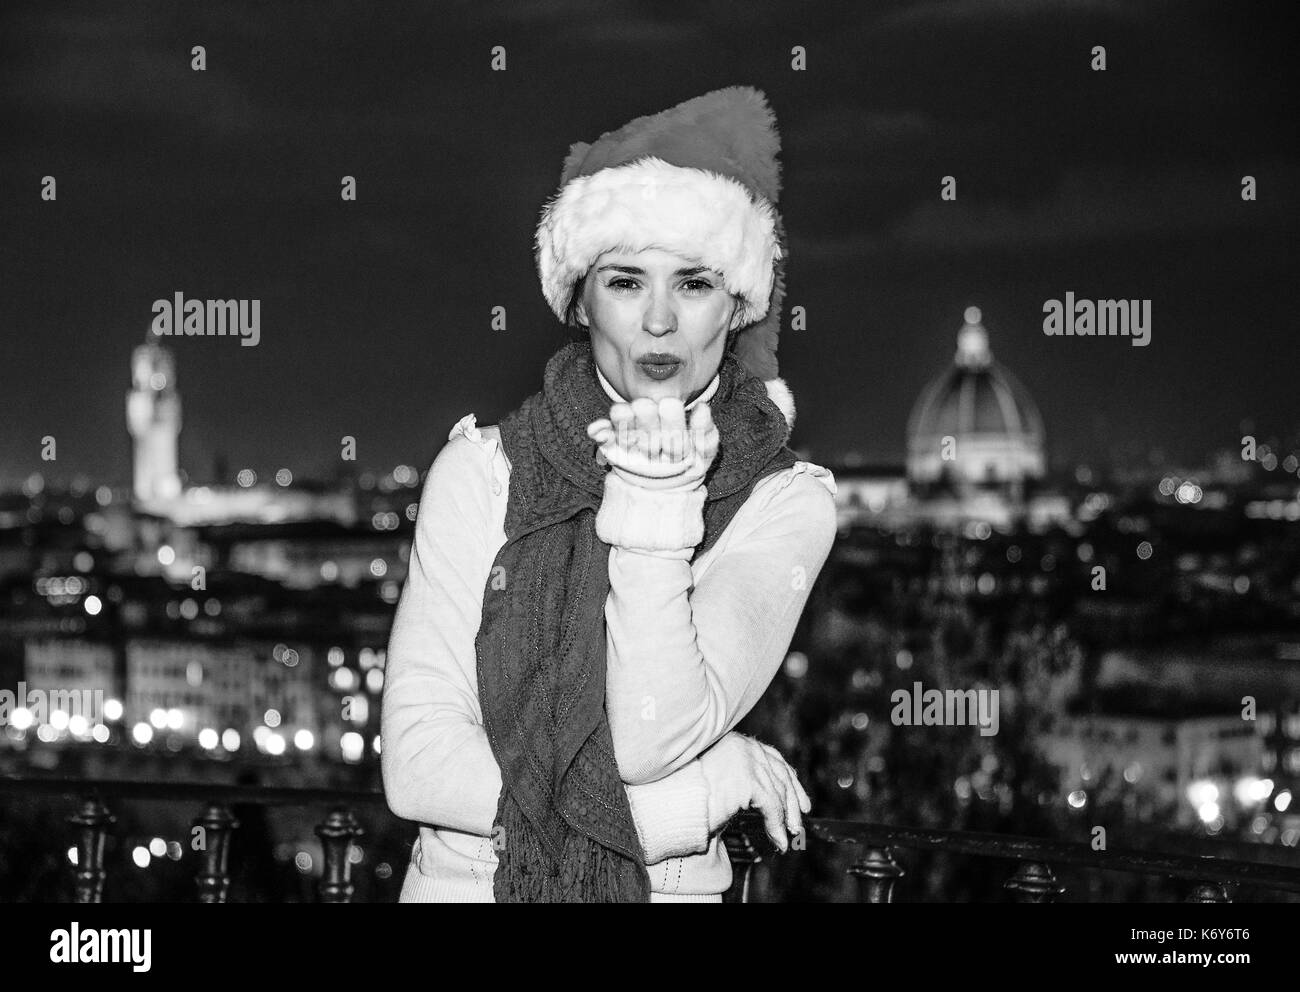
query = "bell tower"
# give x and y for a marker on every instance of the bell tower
(153, 416)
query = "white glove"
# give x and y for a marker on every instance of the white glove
(743, 772)
(649, 444)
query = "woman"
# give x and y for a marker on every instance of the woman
(603, 585)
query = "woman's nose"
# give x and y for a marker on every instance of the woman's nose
(660, 317)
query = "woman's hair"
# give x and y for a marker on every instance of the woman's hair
(571, 311)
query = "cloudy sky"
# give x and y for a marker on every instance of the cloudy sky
(376, 314)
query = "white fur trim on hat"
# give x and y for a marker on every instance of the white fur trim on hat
(706, 217)
(779, 393)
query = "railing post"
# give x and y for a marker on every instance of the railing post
(877, 871)
(92, 821)
(1207, 892)
(743, 856)
(336, 834)
(213, 876)
(1034, 882)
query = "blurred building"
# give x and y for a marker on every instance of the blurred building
(1202, 768)
(228, 696)
(975, 427)
(153, 415)
(976, 452)
(154, 419)
(54, 663)
(192, 685)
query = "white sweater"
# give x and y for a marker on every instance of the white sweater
(690, 648)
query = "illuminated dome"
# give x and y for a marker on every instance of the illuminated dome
(975, 424)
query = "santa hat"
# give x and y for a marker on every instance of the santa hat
(700, 179)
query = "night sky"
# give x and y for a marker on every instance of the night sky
(376, 313)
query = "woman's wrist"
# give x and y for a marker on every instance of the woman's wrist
(672, 815)
(728, 795)
(650, 520)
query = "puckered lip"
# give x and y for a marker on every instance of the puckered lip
(658, 358)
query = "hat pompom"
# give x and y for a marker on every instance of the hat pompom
(779, 393)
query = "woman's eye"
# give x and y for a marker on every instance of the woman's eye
(625, 284)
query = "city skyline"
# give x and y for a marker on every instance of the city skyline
(223, 471)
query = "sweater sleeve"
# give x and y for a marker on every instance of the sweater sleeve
(686, 663)
(438, 766)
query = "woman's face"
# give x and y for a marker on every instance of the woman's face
(658, 322)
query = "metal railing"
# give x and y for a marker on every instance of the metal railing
(875, 868)
(1033, 881)
(93, 821)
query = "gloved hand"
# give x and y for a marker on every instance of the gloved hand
(743, 772)
(649, 444)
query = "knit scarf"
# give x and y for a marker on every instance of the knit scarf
(564, 830)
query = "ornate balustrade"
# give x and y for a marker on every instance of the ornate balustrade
(875, 867)
(1033, 880)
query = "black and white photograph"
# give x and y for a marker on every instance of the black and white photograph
(579, 452)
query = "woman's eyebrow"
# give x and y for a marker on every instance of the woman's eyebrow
(635, 271)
